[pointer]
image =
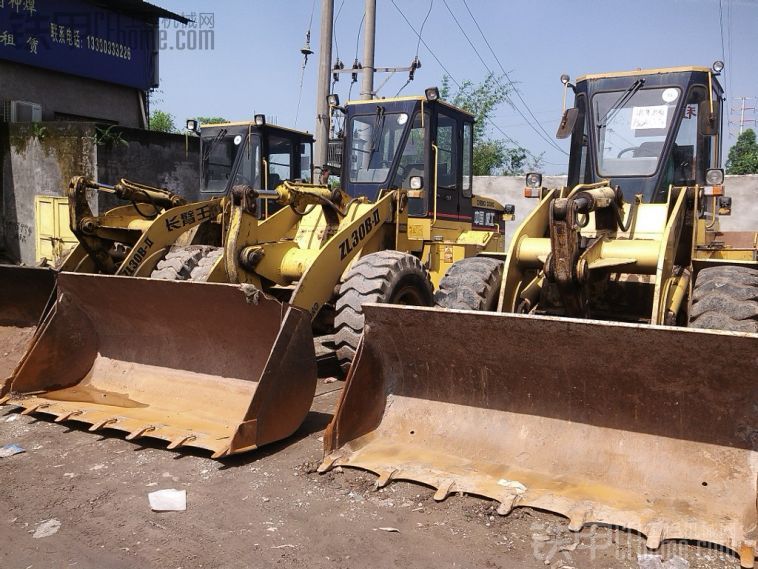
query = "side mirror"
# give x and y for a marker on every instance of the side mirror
(708, 123)
(568, 122)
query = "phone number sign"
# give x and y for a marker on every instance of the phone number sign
(79, 38)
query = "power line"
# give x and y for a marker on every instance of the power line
(355, 59)
(421, 32)
(540, 131)
(457, 84)
(507, 76)
(306, 51)
(418, 45)
(334, 28)
(721, 28)
(730, 6)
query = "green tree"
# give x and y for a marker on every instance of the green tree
(162, 121)
(492, 156)
(211, 120)
(743, 156)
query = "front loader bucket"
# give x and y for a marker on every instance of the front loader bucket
(644, 427)
(215, 366)
(24, 294)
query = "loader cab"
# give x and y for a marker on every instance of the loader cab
(645, 130)
(256, 154)
(421, 144)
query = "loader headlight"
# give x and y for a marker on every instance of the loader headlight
(714, 177)
(417, 182)
(718, 66)
(260, 120)
(432, 94)
(534, 180)
(333, 100)
(193, 125)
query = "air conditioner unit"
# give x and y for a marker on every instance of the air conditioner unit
(22, 111)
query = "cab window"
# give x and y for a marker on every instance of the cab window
(279, 160)
(468, 151)
(305, 162)
(412, 157)
(447, 159)
(249, 170)
(689, 160)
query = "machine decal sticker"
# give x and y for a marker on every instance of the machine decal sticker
(137, 257)
(359, 234)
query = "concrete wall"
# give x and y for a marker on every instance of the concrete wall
(66, 97)
(510, 189)
(41, 159)
(39, 164)
(168, 161)
(744, 193)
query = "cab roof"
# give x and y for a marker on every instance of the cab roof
(421, 98)
(635, 72)
(252, 124)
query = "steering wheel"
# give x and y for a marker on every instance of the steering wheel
(630, 149)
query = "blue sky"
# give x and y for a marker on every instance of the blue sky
(255, 65)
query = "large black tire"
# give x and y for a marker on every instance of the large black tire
(389, 277)
(726, 298)
(193, 262)
(471, 284)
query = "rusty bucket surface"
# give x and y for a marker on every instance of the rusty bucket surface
(24, 294)
(648, 428)
(213, 366)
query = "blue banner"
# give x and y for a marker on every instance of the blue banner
(79, 38)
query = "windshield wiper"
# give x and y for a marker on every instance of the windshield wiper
(378, 128)
(209, 148)
(620, 102)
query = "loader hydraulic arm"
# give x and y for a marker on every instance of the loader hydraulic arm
(567, 265)
(97, 237)
(259, 252)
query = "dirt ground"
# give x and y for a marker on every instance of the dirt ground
(267, 509)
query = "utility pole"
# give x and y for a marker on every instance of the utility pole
(747, 115)
(324, 77)
(369, 45)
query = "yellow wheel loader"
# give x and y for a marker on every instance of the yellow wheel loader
(226, 361)
(150, 237)
(613, 377)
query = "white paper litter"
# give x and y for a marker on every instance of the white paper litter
(168, 500)
(10, 450)
(47, 528)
